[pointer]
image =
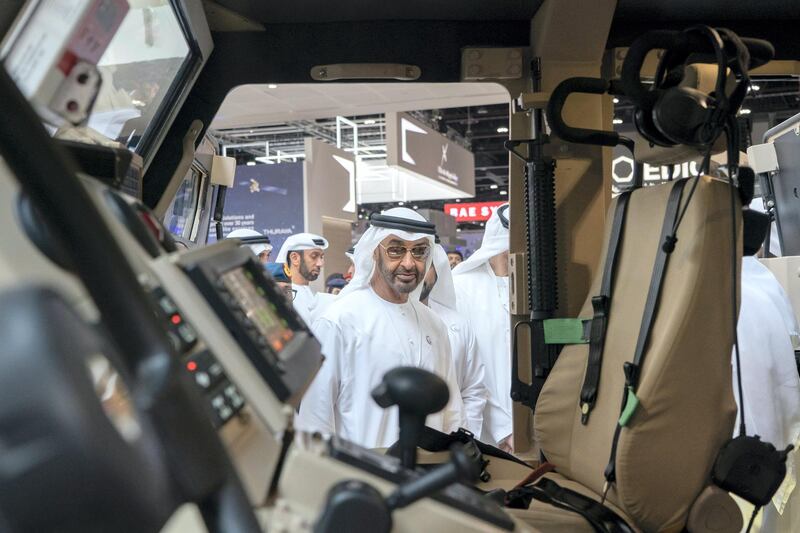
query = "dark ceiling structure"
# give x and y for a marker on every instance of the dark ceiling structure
(431, 34)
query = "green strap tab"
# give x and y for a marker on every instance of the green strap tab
(564, 331)
(631, 403)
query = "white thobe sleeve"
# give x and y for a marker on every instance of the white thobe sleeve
(473, 388)
(453, 414)
(318, 406)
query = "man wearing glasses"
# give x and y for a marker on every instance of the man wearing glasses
(377, 324)
(282, 279)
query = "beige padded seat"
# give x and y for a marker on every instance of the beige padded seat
(687, 409)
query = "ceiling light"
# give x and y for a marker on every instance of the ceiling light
(272, 86)
(458, 229)
(401, 203)
(251, 163)
(502, 129)
(416, 207)
(745, 111)
(493, 186)
(615, 100)
(369, 121)
(617, 121)
(503, 193)
(458, 199)
(755, 87)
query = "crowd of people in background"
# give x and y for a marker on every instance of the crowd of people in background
(405, 300)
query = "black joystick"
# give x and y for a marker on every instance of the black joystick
(460, 469)
(417, 393)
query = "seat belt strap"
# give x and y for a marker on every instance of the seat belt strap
(632, 370)
(601, 518)
(601, 306)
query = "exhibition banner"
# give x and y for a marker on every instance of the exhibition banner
(268, 199)
(413, 146)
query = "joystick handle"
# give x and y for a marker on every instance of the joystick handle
(460, 469)
(416, 393)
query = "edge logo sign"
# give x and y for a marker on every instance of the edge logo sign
(622, 171)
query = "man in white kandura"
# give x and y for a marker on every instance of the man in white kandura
(768, 335)
(376, 324)
(304, 254)
(439, 294)
(257, 242)
(481, 284)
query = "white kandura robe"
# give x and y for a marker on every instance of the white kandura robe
(363, 337)
(304, 302)
(469, 370)
(770, 381)
(482, 299)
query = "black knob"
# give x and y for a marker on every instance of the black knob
(416, 393)
(460, 469)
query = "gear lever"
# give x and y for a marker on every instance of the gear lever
(417, 393)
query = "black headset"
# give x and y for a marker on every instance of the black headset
(667, 114)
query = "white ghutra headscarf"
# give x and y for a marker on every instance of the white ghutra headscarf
(403, 223)
(495, 241)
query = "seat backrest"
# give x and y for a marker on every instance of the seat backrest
(687, 410)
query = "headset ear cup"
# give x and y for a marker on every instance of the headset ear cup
(643, 120)
(680, 115)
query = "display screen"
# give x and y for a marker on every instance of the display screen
(261, 313)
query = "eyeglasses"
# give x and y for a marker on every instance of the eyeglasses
(399, 252)
(290, 293)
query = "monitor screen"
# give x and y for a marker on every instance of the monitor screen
(141, 67)
(260, 312)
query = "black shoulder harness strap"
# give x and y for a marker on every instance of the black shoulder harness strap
(601, 518)
(433, 440)
(632, 369)
(601, 306)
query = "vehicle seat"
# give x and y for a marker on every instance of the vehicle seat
(687, 411)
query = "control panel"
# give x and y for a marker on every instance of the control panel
(257, 315)
(223, 399)
(389, 468)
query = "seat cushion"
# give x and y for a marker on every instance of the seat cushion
(686, 409)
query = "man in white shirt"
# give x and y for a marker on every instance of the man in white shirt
(768, 333)
(481, 284)
(376, 324)
(257, 242)
(304, 254)
(439, 294)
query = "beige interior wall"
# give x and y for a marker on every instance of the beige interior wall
(339, 235)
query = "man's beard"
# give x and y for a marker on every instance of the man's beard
(306, 273)
(390, 276)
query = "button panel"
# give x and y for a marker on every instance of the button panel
(224, 399)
